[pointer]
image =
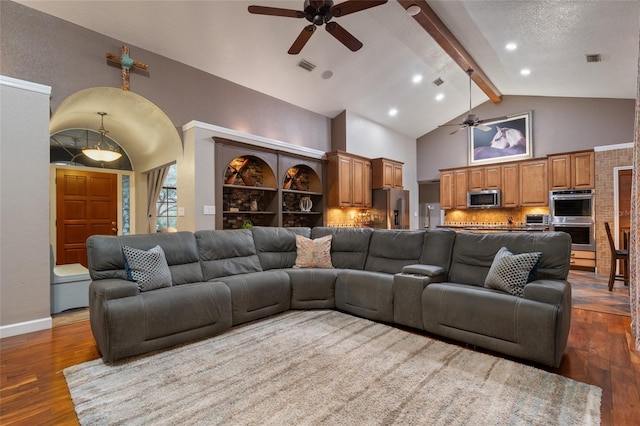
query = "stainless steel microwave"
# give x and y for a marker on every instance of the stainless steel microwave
(483, 199)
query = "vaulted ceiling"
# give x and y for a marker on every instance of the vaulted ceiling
(224, 39)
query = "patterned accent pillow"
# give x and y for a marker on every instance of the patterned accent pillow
(148, 268)
(510, 272)
(313, 253)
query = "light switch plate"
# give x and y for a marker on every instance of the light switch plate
(209, 210)
(180, 211)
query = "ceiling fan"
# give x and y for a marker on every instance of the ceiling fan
(320, 12)
(472, 120)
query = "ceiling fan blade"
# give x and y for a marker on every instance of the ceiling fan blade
(490, 120)
(276, 11)
(351, 6)
(457, 130)
(482, 127)
(302, 39)
(343, 36)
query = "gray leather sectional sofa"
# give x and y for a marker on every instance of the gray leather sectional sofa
(429, 280)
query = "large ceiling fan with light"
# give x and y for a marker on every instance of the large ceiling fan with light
(472, 120)
(321, 12)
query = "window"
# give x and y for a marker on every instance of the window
(166, 206)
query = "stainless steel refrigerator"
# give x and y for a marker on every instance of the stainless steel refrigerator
(390, 209)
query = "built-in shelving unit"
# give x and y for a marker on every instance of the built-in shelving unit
(250, 193)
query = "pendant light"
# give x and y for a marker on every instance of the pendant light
(102, 151)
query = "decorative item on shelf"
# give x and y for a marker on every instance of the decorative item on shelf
(253, 205)
(306, 204)
(102, 151)
(290, 179)
(237, 170)
(247, 224)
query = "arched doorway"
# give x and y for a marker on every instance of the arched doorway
(142, 130)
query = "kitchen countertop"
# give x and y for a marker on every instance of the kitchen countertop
(498, 228)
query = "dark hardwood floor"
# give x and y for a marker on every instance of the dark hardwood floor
(33, 390)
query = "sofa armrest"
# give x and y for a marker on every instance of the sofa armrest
(552, 292)
(426, 270)
(113, 288)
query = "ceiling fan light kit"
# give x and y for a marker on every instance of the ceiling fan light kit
(472, 120)
(318, 13)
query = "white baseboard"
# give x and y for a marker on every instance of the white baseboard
(25, 327)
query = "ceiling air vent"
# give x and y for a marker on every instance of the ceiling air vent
(304, 64)
(593, 57)
(438, 81)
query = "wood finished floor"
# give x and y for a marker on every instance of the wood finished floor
(33, 390)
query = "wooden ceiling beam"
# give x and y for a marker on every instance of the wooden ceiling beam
(434, 26)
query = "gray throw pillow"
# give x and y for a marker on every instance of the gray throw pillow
(509, 272)
(148, 268)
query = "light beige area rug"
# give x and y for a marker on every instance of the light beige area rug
(325, 367)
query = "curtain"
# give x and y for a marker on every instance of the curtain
(155, 181)
(634, 243)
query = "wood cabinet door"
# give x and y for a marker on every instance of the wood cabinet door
(358, 180)
(560, 171)
(493, 177)
(460, 189)
(397, 176)
(583, 170)
(476, 179)
(534, 186)
(345, 184)
(387, 175)
(447, 186)
(367, 184)
(510, 186)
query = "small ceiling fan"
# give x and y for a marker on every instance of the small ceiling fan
(472, 120)
(320, 12)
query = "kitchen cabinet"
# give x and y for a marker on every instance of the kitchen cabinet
(534, 184)
(585, 260)
(447, 185)
(349, 178)
(481, 178)
(460, 189)
(510, 194)
(575, 170)
(386, 173)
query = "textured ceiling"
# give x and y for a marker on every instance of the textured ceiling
(222, 38)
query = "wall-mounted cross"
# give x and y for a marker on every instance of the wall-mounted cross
(126, 63)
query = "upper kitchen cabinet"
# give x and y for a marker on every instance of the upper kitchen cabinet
(488, 177)
(349, 180)
(534, 187)
(386, 173)
(575, 170)
(447, 187)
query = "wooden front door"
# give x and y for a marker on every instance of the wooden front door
(86, 204)
(624, 204)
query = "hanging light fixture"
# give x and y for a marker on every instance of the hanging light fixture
(103, 151)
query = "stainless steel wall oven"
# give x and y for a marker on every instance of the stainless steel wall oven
(573, 212)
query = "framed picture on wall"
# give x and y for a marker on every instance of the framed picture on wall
(506, 140)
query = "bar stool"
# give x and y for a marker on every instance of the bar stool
(615, 256)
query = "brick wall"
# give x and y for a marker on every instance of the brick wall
(606, 161)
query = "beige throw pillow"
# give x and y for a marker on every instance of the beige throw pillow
(313, 253)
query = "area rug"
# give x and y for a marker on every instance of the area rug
(325, 367)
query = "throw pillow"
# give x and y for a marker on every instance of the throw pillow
(509, 272)
(313, 253)
(148, 268)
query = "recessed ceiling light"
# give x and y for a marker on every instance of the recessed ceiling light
(525, 71)
(417, 78)
(393, 112)
(439, 96)
(511, 46)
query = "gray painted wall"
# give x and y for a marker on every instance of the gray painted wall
(558, 125)
(24, 221)
(41, 48)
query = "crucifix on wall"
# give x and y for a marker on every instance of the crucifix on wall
(126, 63)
